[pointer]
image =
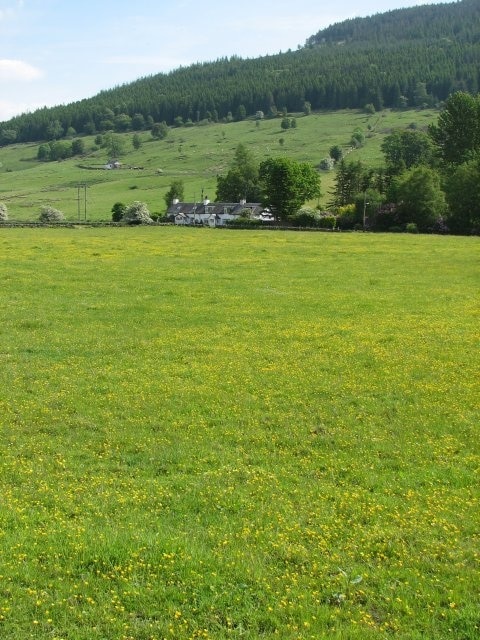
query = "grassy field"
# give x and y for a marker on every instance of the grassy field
(196, 155)
(225, 434)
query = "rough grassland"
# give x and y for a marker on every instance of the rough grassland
(225, 434)
(196, 155)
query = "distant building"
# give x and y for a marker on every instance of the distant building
(215, 214)
(113, 164)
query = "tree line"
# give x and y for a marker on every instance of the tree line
(429, 22)
(430, 181)
(410, 57)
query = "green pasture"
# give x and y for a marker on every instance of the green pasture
(196, 155)
(225, 434)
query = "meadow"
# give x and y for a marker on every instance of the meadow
(195, 155)
(238, 434)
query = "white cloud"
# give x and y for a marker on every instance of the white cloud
(10, 12)
(18, 70)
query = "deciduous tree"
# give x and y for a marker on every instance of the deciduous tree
(176, 191)
(159, 130)
(60, 150)
(420, 197)
(242, 180)
(54, 130)
(118, 211)
(136, 141)
(457, 132)
(43, 152)
(7, 136)
(138, 122)
(114, 144)
(122, 122)
(407, 149)
(288, 184)
(463, 197)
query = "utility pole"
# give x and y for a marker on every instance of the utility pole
(82, 197)
(364, 208)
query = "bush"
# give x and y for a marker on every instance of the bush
(244, 222)
(305, 217)
(327, 221)
(347, 216)
(245, 219)
(60, 150)
(3, 212)
(357, 138)
(43, 152)
(160, 130)
(49, 214)
(137, 213)
(387, 216)
(326, 164)
(411, 227)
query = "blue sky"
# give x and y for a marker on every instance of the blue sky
(57, 51)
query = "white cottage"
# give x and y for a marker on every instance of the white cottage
(212, 214)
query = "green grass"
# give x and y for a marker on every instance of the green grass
(196, 155)
(225, 434)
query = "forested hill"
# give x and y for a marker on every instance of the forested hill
(457, 21)
(406, 57)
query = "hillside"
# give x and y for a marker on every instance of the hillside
(409, 57)
(429, 23)
(196, 155)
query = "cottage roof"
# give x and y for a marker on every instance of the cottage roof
(181, 207)
(217, 208)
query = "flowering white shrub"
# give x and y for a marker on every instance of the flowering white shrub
(3, 212)
(49, 214)
(137, 213)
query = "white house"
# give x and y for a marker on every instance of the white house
(214, 214)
